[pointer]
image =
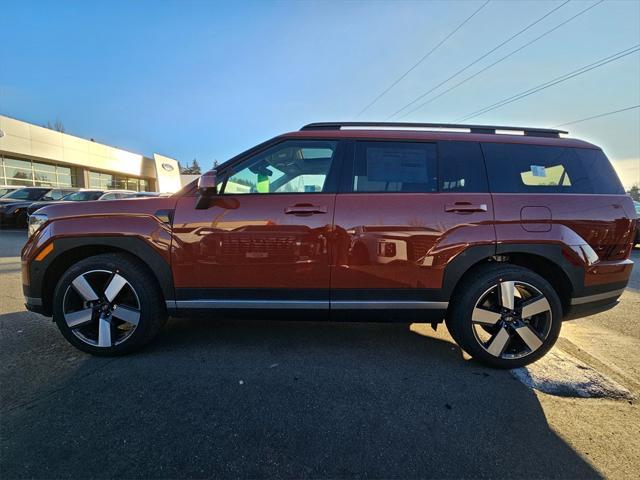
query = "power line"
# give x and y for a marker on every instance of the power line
(503, 58)
(424, 57)
(562, 78)
(420, 97)
(598, 116)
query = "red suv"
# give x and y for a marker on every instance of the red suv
(501, 232)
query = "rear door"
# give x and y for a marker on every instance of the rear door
(405, 209)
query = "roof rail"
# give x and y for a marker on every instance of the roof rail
(490, 129)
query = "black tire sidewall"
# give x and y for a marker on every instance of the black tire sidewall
(152, 310)
(469, 292)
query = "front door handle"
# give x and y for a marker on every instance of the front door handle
(305, 209)
(465, 207)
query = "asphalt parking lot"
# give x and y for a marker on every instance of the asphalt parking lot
(221, 398)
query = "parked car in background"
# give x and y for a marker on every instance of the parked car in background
(501, 232)
(149, 194)
(14, 205)
(117, 194)
(85, 196)
(637, 207)
(80, 196)
(6, 189)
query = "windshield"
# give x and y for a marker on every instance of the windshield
(28, 194)
(4, 191)
(81, 196)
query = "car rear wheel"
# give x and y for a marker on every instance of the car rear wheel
(108, 304)
(505, 316)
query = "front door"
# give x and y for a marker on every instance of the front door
(405, 211)
(263, 243)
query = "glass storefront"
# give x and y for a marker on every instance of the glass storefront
(15, 171)
(108, 181)
(27, 173)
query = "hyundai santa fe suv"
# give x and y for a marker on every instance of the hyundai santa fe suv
(500, 232)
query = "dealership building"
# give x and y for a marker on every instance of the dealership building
(36, 156)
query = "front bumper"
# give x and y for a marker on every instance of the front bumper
(8, 219)
(34, 304)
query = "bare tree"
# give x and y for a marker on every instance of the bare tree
(58, 126)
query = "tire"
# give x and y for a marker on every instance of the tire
(494, 329)
(108, 304)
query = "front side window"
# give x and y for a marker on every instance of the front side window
(395, 167)
(289, 167)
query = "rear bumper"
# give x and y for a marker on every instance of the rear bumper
(596, 302)
(597, 297)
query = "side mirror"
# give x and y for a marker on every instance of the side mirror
(207, 184)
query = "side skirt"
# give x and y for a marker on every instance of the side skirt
(337, 310)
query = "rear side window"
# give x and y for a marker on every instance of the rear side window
(56, 194)
(395, 167)
(533, 168)
(462, 167)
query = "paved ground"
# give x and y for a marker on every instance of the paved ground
(274, 399)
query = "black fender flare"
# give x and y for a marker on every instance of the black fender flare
(134, 246)
(478, 254)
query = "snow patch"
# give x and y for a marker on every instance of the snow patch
(559, 373)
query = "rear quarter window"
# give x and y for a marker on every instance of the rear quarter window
(542, 169)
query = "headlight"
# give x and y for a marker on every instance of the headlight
(35, 222)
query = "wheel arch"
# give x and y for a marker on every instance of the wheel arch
(71, 250)
(547, 260)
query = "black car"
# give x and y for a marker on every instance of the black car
(80, 196)
(13, 207)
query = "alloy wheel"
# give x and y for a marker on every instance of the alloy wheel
(101, 308)
(511, 319)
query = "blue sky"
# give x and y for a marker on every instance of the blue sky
(206, 80)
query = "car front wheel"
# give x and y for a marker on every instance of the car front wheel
(505, 316)
(108, 304)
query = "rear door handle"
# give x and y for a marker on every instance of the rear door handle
(305, 209)
(465, 207)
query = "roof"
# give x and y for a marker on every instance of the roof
(421, 132)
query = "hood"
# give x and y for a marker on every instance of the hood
(134, 206)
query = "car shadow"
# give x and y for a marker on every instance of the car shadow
(222, 398)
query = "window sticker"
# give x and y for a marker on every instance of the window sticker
(402, 165)
(538, 171)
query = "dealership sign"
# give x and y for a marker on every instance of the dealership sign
(168, 167)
